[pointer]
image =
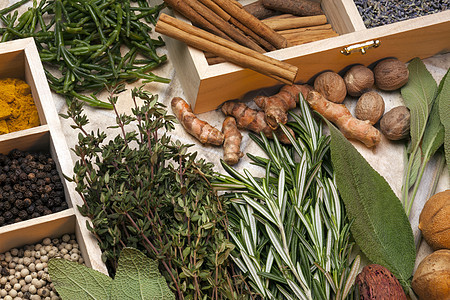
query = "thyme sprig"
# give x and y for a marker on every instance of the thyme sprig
(290, 227)
(143, 190)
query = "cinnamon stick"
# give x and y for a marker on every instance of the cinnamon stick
(231, 51)
(308, 31)
(253, 23)
(226, 17)
(297, 22)
(182, 7)
(312, 37)
(296, 7)
(259, 11)
(223, 26)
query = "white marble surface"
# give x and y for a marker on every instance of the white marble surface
(387, 158)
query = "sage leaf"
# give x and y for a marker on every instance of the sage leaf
(433, 137)
(444, 108)
(75, 281)
(138, 277)
(418, 95)
(380, 226)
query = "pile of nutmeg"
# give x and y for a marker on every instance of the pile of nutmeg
(388, 75)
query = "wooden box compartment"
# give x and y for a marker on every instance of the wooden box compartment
(207, 86)
(20, 59)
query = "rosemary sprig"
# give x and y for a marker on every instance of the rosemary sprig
(290, 227)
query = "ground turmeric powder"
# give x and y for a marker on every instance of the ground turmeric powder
(17, 108)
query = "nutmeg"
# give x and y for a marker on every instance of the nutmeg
(391, 74)
(432, 277)
(358, 80)
(434, 221)
(370, 107)
(332, 86)
(377, 282)
(395, 123)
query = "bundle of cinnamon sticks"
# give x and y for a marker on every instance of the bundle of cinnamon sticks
(231, 33)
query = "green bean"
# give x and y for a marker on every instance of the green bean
(13, 7)
(93, 101)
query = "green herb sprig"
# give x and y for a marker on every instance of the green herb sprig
(426, 102)
(137, 278)
(145, 191)
(290, 227)
(81, 43)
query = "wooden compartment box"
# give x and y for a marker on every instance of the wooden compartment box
(20, 59)
(207, 86)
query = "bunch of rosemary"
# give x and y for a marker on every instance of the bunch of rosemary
(290, 227)
(145, 191)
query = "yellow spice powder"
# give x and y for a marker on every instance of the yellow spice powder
(17, 108)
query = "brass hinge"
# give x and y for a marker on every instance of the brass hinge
(363, 47)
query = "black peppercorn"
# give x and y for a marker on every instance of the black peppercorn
(23, 215)
(30, 186)
(8, 215)
(14, 211)
(30, 209)
(19, 204)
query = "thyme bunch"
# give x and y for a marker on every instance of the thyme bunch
(290, 227)
(145, 191)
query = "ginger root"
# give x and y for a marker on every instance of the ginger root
(232, 143)
(351, 127)
(276, 106)
(201, 130)
(247, 118)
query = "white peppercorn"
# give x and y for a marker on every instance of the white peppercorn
(28, 278)
(32, 267)
(8, 287)
(3, 293)
(37, 247)
(13, 281)
(66, 256)
(14, 251)
(66, 238)
(27, 261)
(32, 289)
(25, 288)
(13, 293)
(24, 272)
(74, 257)
(35, 297)
(3, 280)
(8, 297)
(43, 292)
(64, 251)
(17, 286)
(44, 258)
(39, 267)
(47, 241)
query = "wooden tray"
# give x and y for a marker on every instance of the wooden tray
(207, 86)
(20, 59)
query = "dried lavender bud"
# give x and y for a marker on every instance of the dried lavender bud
(381, 12)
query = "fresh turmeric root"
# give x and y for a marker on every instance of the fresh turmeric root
(276, 106)
(351, 127)
(201, 130)
(232, 143)
(247, 118)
